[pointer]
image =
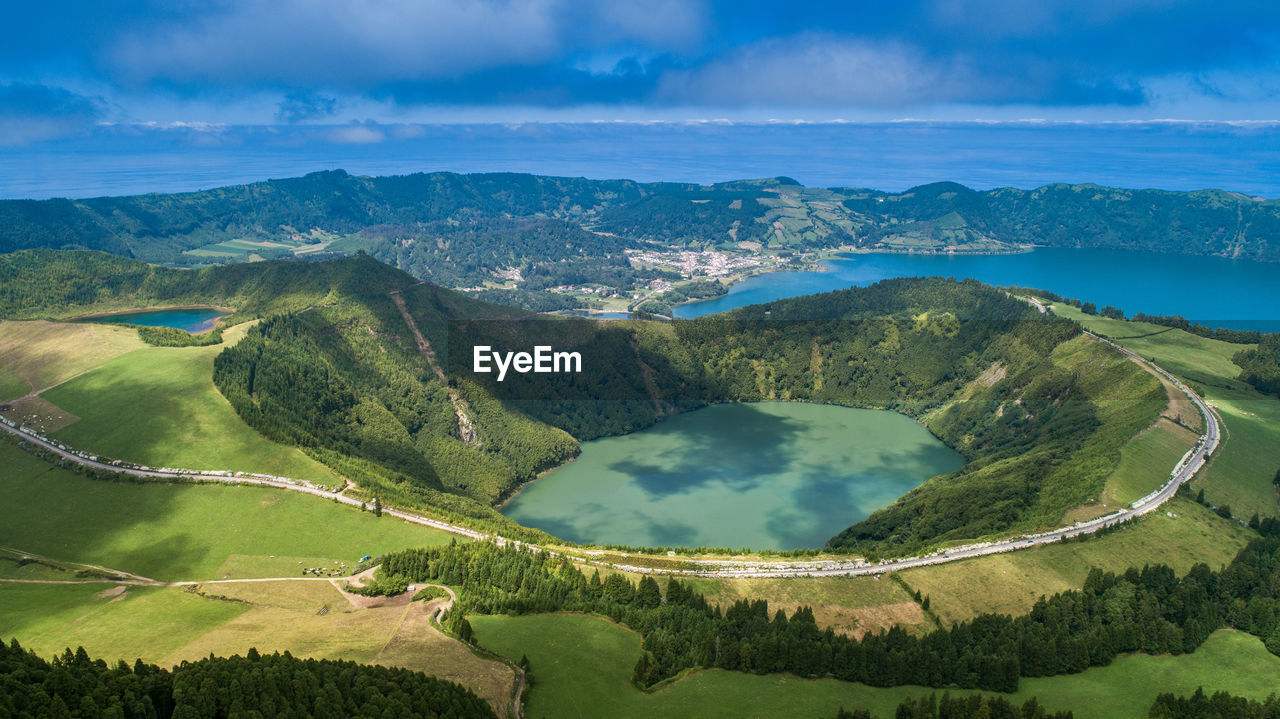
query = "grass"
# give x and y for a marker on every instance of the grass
(1242, 469)
(158, 406)
(10, 386)
(141, 622)
(1182, 353)
(42, 354)
(850, 605)
(1011, 582)
(1145, 462)
(581, 667)
(170, 625)
(185, 532)
(1228, 661)
(289, 616)
(1005, 583)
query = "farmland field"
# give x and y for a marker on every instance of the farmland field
(185, 532)
(581, 667)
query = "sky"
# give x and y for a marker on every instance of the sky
(66, 65)
(183, 74)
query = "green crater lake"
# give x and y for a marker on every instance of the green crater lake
(193, 320)
(766, 475)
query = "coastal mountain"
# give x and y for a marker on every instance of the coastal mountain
(556, 243)
(495, 216)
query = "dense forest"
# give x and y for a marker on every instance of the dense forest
(1150, 610)
(272, 685)
(334, 368)
(1260, 366)
(1220, 705)
(974, 706)
(1204, 222)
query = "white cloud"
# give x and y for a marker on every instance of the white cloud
(358, 43)
(356, 135)
(817, 70)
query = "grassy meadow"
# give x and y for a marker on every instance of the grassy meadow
(175, 532)
(850, 605)
(1241, 472)
(1145, 462)
(41, 354)
(168, 625)
(1010, 583)
(581, 667)
(152, 405)
(10, 386)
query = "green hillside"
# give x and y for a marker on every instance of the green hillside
(369, 372)
(551, 243)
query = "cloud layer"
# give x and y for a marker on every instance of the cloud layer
(331, 61)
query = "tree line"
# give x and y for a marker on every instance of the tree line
(1150, 610)
(265, 685)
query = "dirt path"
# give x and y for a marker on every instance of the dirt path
(439, 608)
(461, 409)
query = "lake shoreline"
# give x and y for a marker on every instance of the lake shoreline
(143, 310)
(1233, 294)
(760, 486)
(120, 317)
(826, 256)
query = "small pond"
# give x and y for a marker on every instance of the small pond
(193, 320)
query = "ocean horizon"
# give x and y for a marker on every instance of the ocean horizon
(890, 156)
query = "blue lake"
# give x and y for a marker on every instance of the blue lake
(780, 475)
(191, 320)
(1214, 291)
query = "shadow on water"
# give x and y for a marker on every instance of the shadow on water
(761, 475)
(670, 533)
(759, 444)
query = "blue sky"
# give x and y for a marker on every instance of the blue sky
(67, 66)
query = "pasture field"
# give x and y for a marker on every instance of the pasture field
(158, 406)
(850, 605)
(581, 667)
(1241, 472)
(111, 624)
(315, 619)
(42, 354)
(1186, 355)
(1004, 583)
(10, 386)
(1145, 462)
(175, 532)
(1010, 583)
(168, 625)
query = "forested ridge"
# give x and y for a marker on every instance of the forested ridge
(529, 233)
(1038, 411)
(1150, 610)
(494, 212)
(270, 685)
(1203, 222)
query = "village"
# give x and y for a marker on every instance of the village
(704, 263)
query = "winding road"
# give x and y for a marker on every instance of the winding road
(1181, 473)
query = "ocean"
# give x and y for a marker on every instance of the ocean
(894, 156)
